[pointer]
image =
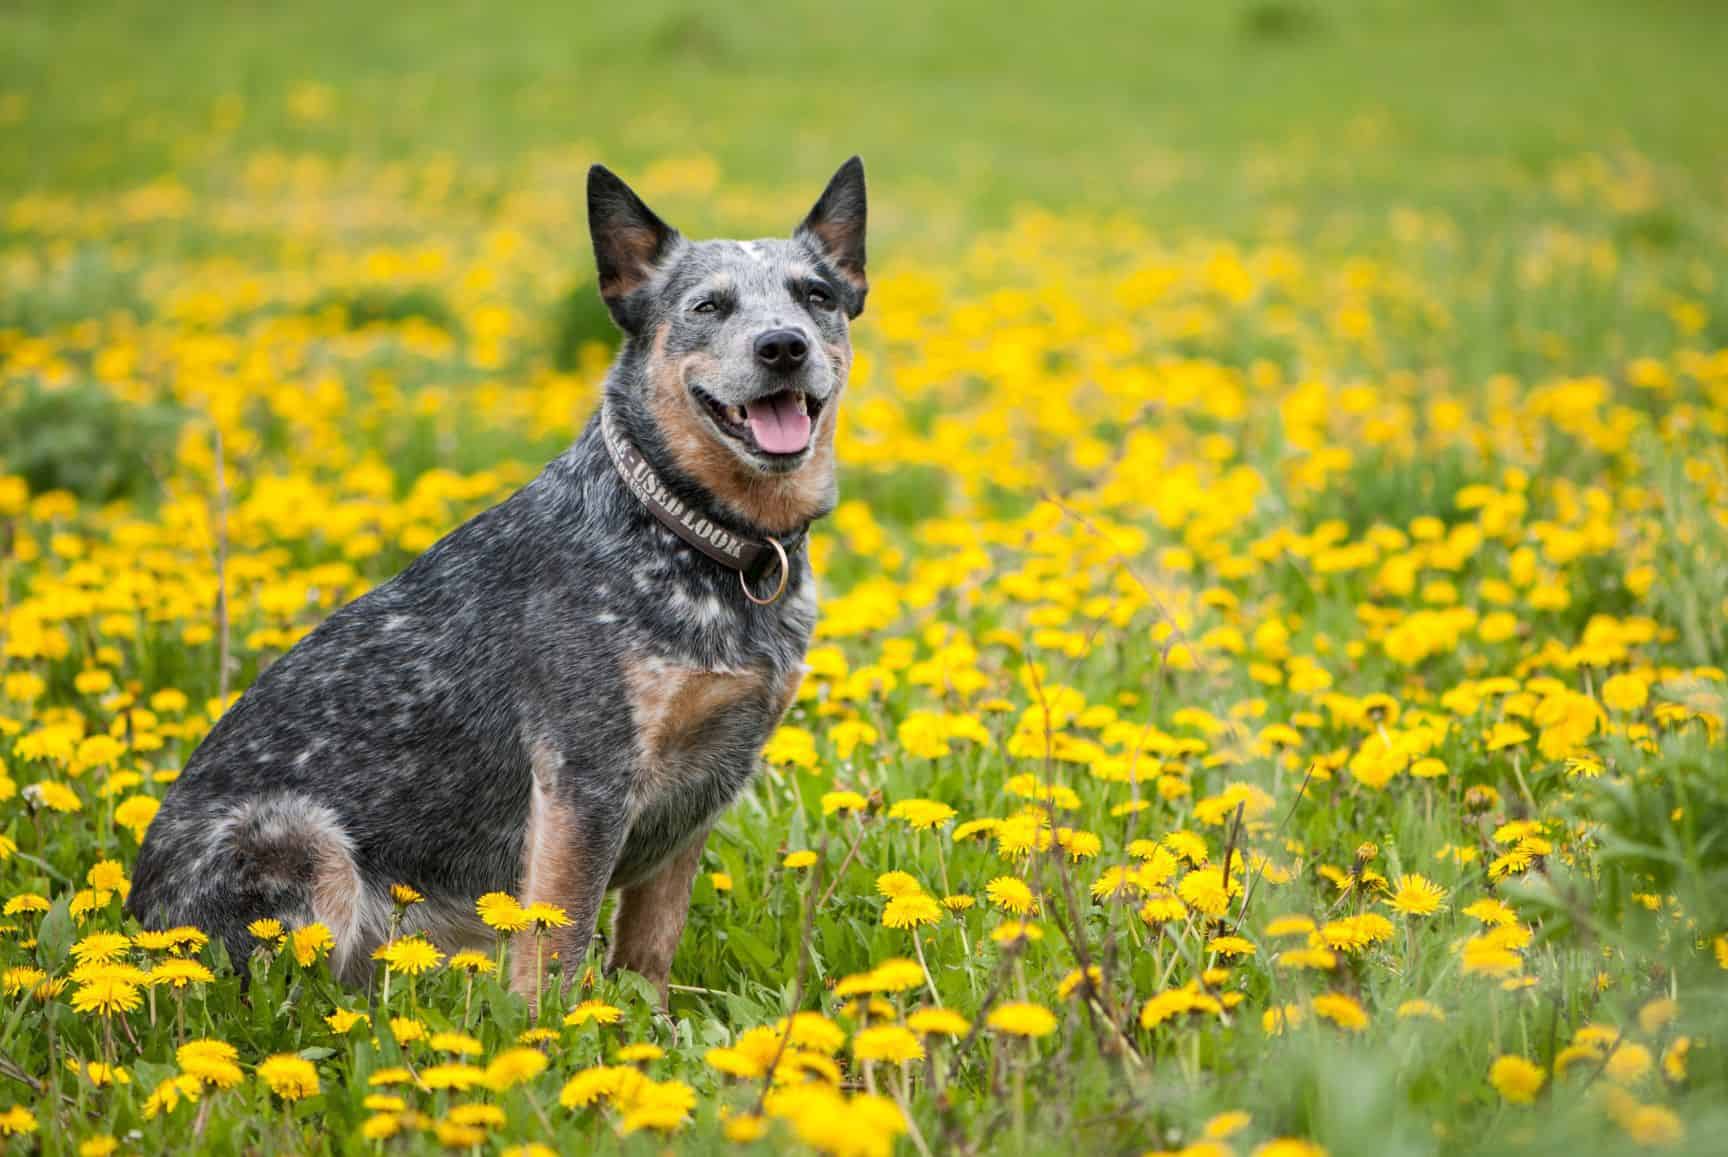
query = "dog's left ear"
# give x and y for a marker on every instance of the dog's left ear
(835, 228)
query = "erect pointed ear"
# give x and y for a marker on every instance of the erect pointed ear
(630, 242)
(835, 227)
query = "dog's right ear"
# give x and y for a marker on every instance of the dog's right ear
(630, 242)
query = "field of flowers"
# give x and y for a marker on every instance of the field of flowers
(1269, 697)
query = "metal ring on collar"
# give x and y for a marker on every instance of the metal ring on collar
(785, 574)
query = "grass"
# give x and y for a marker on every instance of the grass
(1285, 448)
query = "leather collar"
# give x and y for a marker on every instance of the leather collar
(750, 558)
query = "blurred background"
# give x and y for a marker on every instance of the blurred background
(1193, 114)
(1517, 186)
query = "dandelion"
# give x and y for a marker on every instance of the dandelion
(1625, 693)
(1516, 1079)
(17, 1121)
(595, 1012)
(912, 911)
(470, 962)
(895, 885)
(26, 903)
(1288, 1147)
(1414, 895)
(842, 801)
(343, 1019)
(290, 1077)
(938, 1022)
(1343, 1011)
(921, 814)
(501, 912)
(1011, 895)
(1022, 1019)
(889, 1042)
(135, 814)
(799, 860)
(310, 943)
(481, 1116)
(1015, 933)
(593, 1084)
(514, 1066)
(1203, 890)
(455, 1076)
(1230, 947)
(268, 931)
(55, 797)
(20, 978)
(407, 1030)
(544, 917)
(100, 947)
(106, 997)
(1089, 978)
(411, 955)
(1420, 1008)
(1491, 911)
(456, 1042)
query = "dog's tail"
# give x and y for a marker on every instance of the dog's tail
(284, 857)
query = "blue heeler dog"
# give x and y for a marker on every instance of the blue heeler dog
(561, 696)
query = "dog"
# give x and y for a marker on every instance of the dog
(559, 698)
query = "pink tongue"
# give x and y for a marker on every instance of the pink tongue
(780, 427)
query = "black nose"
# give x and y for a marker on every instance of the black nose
(781, 349)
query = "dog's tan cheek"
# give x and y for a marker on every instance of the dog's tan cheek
(695, 448)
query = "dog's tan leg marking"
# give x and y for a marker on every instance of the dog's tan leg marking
(778, 503)
(651, 915)
(554, 871)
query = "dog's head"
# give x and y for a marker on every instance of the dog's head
(743, 345)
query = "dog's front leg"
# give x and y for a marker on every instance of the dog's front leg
(568, 855)
(650, 917)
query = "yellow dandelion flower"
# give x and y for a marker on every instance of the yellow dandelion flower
(1343, 1011)
(514, 1066)
(1516, 1079)
(889, 1042)
(310, 943)
(269, 931)
(289, 1076)
(911, 911)
(1023, 1019)
(411, 955)
(938, 1022)
(596, 1011)
(1415, 895)
(1011, 895)
(101, 947)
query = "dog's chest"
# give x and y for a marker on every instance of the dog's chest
(698, 730)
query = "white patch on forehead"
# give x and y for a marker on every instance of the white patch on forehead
(754, 252)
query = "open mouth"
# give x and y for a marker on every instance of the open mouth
(775, 426)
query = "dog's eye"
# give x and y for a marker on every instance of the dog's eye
(706, 305)
(820, 298)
